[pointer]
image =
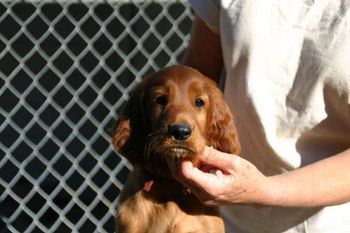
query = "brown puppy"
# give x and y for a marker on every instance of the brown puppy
(172, 114)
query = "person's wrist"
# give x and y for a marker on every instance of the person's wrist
(270, 192)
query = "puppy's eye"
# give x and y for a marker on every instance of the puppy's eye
(199, 102)
(161, 100)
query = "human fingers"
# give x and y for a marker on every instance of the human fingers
(204, 183)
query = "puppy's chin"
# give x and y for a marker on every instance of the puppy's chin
(180, 153)
(158, 163)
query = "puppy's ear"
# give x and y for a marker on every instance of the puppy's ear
(222, 134)
(128, 134)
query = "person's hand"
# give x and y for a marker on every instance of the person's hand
(222, 179)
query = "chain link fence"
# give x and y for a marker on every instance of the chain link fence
(65, 69)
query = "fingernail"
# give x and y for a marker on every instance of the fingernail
(207, 150)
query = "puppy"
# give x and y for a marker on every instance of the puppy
(171, 115)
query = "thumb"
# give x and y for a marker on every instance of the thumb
(198, 178)
(214, 159)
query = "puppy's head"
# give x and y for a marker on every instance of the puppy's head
(174, 113)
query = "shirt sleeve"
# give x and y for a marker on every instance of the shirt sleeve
(209, 12)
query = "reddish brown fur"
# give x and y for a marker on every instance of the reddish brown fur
(141, 136)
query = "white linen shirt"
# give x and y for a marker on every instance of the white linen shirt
(287, 66)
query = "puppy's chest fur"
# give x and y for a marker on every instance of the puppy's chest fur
(163, 208)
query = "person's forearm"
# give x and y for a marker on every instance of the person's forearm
(323, 183)
(204, 51)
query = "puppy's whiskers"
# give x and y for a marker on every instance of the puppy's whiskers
(154, 142)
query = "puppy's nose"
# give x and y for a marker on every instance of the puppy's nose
(180, 131)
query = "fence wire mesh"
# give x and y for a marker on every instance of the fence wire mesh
(65, 69)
